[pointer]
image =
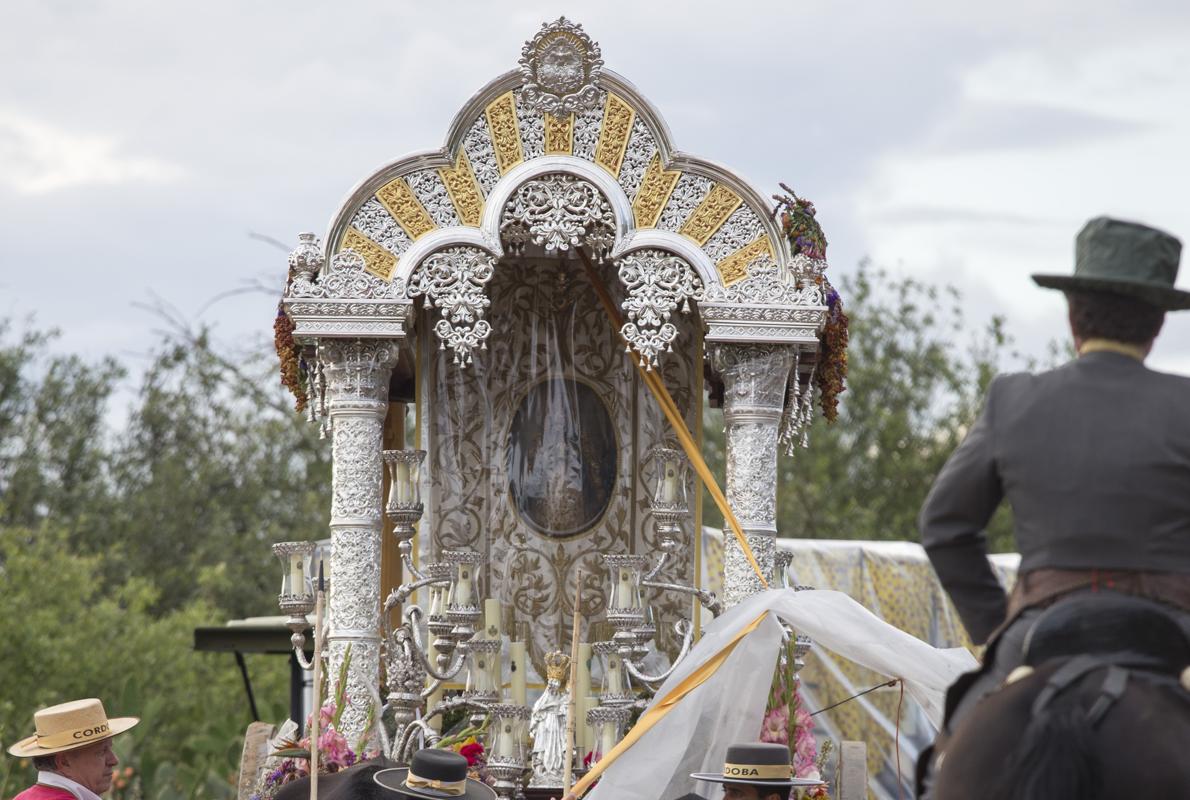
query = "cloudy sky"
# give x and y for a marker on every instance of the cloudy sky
(141, 143)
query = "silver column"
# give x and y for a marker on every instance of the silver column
(357, 375)
(754, 377)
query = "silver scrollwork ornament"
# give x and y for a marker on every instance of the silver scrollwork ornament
(560, 68)
(454, 280)
(558, 212)
(657, 283)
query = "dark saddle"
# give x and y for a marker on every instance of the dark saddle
(1123, 635)
(1102, 623)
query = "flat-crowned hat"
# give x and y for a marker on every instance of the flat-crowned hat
(70, 725)
(434, 775)
(1112, 255)
(756, 764)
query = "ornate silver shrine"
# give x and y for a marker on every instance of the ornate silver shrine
(472, 277)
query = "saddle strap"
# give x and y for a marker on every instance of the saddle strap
(1073, 670)
(1114, 684)
(1112, 690)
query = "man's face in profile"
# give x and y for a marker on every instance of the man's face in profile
(743, 791)
(92, 766)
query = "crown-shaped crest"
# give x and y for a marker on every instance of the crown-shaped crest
(557, 666)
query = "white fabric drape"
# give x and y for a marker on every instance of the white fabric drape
(729, 706)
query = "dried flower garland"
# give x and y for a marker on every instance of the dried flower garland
(831, 375)
(801, 228)
(293, 372)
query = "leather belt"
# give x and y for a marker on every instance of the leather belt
(1041, 587)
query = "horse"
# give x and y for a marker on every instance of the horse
(1099, 709)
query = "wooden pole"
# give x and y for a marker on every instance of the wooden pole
(575, 636)
(316, 717)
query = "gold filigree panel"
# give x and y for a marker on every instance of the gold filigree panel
(377, 260)
(505, 132)
(655, 188)
(405, 208)
(559, 135)
(711, 213)
(618, 117)
(734, 267)
(463, 189)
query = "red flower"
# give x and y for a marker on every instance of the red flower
(472, 752)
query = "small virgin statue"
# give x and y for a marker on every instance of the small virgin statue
(547, 725)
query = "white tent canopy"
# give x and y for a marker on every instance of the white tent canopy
(729, 706)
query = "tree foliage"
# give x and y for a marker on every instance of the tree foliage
(117, 540)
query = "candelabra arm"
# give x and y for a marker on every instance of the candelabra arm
(402, 752)
(405, 590)
(449, 704)
(708, 599)
(434, 686)
(683, 629)
(656, 570)
(413, 615)
(298, 640)
(407, 560)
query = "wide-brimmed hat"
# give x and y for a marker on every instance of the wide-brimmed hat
(69, 725)
(434, 775)
(756, 764)
(1112, 255)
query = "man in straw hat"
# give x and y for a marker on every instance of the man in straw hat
(1093, 457)
(756, 771)
(72, 751)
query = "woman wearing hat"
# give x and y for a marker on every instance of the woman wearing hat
(756, 771)
(72, 751)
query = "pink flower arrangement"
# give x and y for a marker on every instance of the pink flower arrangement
(786, 722)
(775, 727)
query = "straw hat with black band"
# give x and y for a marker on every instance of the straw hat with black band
(434, 775)
(70, 725)
(756, 764)
(1111, 255)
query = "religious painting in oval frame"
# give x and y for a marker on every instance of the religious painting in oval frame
(561, 458)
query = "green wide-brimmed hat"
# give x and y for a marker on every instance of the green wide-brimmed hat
(1112, 255)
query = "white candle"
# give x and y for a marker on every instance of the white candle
(583, 680)
(463, 586)
(435, 601)
(481, 675)
(491, 619)
(516, 660)
(506, 739)
(669, 486)
(607, 738)
(495, 684)
(588, 732)
(614, 679)
(624, 594)
(297, 578)
(401, 484)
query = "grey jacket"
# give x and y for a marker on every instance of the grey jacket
(1094, 460)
